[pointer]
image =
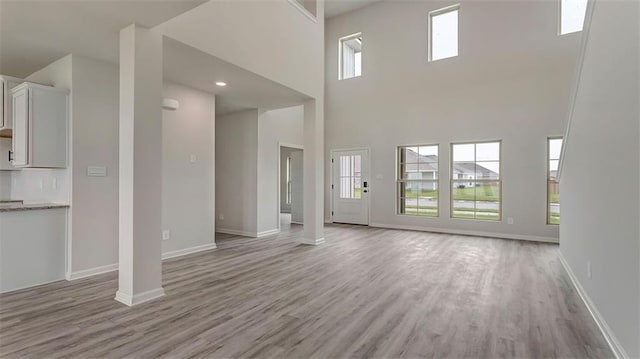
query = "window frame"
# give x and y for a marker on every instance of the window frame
(452, 180)
(341, 40)
(431, 15)
(548, 180)
(400, 180)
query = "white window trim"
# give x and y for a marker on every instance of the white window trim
(340, 59)
(430, 30)
(304, 11)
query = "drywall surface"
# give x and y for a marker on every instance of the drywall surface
(188, 168)
(285, 154)
(600, 227)
(511, 82)
(282, 126)
(236, 172)
(94, 207)
(288, 44)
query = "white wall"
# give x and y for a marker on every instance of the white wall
(94, 206)
(600, 207)
(511, 82)
(270, 38)
(274, 127)
(188, 196)
(236, 170)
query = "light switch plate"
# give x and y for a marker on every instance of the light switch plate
(166, 235)
(97, 171)
(193, 158)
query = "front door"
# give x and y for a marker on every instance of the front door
(350, 186)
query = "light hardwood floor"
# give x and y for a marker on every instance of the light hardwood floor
(364, 293)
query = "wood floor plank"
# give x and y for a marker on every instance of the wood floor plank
(364, 293)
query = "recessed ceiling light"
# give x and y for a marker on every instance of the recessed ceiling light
(221, 84)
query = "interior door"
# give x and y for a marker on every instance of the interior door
(297, 200)
(350, 186)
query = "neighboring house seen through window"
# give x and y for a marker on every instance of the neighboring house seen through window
(418, 180)
(475, 181)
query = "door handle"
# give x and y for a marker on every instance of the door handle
(10, 156)
(365, 186)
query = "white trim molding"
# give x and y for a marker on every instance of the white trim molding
(268, 233)
(521, 237)
(91, 272)
(191, 250)
(236, 232)
(311, 241)
(611, 339)
(131, 300)
(85, 273)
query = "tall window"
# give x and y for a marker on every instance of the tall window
(288, 196)
(350, 56)
(554, 145)
(351, 177)
(443, 33)
(572, 13)
(475, 181)
(418, 180)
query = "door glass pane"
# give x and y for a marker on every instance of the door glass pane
(351, 177)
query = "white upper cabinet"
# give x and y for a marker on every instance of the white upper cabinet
(6, 84)
(40, 126)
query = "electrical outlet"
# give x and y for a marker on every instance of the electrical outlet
(166, 235)
(510, 220)
(221, 217)
(589, 269)
(193, 158)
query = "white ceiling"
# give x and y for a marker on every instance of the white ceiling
(245, 90)
(34, 33)
(338, 7)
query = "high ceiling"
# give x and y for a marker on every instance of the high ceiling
(34, 33)
(245, 90)
(338, 7)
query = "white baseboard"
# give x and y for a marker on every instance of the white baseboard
(521, 237)
(268, 233)
(311, 241)
(237, 232)
(611, 339)
(114, 267)
(92, 271)
(139, 298)
(191, 250)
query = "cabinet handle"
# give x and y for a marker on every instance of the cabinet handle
(10, 156)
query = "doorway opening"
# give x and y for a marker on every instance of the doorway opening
(290, 186)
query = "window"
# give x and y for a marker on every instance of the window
(572, 14)
(443, 33)
(418, 180)
(288, 195)
(554, 145)
(475, 181)
(350, 57)
(351, 177)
